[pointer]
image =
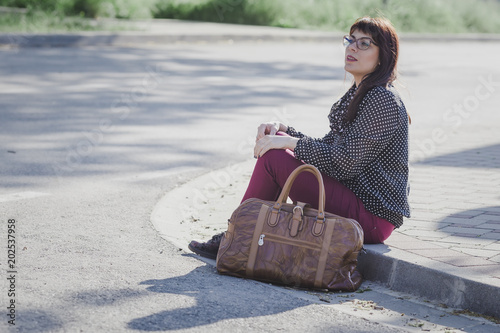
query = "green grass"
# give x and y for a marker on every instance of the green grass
(43, 22)
(87, 8)
(448, 16)
(43, 16)
(408, 16)
(226, 11)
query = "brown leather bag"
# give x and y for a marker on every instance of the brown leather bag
(292, 244)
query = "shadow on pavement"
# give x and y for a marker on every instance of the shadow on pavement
(105, 297)
(85, 103)
(216, 298)
(37, 321)
(490, 214)
(483, 157)
(481, 224)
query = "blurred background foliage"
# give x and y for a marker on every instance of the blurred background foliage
(450, 16)
(406, 15)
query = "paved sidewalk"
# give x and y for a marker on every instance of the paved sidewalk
(448, 251)
(167, 31)
(160, 32)
(444, 253)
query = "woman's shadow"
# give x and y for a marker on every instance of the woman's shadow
(216, 298)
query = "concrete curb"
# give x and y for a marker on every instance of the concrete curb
(396, 271)
(164, 32)
(216, 194)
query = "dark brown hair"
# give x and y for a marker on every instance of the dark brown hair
(384, 35)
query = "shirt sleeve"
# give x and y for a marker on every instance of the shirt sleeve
(372, 129)
(296, 134)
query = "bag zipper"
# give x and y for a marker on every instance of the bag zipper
(288, 241)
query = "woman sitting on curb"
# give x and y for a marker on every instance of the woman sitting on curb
(364, 157)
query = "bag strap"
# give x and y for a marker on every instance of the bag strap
(288, 185)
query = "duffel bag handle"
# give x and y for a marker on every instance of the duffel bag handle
(288, 185)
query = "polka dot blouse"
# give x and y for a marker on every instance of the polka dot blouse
(368, 155)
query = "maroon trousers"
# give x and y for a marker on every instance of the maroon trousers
(271, 172)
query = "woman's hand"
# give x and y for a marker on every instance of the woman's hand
(270, 128)
(268, 142)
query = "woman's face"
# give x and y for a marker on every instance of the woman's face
(360, 62)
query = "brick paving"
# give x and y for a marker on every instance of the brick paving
(453, 236)
(455, 199)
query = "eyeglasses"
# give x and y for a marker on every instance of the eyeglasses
(362, 44)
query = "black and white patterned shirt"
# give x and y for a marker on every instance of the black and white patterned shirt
(369, 155)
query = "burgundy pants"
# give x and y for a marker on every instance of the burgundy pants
(271, 172)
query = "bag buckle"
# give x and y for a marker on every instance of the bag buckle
(296, 223)
(301, 210)
(319, 226)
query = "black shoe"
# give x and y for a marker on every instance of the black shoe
(208, 249)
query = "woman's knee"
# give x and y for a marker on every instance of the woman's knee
(278, 159)
(278, 154)
(379, 232)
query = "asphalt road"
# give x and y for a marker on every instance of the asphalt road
(92, 138)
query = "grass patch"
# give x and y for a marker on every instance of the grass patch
(234, 11)
(438, 16)
(44, 22)
(127, 9)
(444, 16)
(279, 13)
(36, 16)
